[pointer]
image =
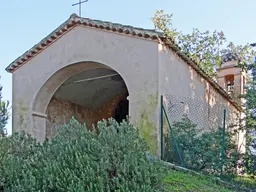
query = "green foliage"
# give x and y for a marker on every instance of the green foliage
(201, 151)
(163, 23)
(181, 181)
(113, 158)
(4, 114)
(246, 181)
(206, 48)
(245, 53)
(249, 157)
(250, 163)
(250, 124)
(15, 151)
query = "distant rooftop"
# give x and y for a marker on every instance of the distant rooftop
(230, 57)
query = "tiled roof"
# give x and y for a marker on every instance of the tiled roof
(175, 48)
(75, 20)
(230, 57)
(72, 22)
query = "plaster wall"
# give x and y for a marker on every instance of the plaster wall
(149, 70)
(34, 84)
(187, 93)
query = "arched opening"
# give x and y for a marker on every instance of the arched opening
(89, 95)
(229, 81)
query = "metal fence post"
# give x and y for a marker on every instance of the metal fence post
(161, 128)
(223, 144)
(173, 137)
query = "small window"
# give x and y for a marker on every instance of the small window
(229, 81)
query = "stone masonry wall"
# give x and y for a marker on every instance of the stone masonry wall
(60, 112)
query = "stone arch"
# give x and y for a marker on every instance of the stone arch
(49, 88)
(58, 78)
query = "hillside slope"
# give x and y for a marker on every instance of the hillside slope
(179, 181)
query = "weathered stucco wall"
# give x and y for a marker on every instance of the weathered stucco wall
(178, 78)
(60, 112)
(184, 87)
(135, 59)
(147, 68)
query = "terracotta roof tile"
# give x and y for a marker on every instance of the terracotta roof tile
(200, 71)
(74, 21)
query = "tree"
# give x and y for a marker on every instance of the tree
(206, 48)
(4, 114)
(250, 122)
(209, 50)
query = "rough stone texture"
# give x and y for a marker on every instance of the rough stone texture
(60, 112)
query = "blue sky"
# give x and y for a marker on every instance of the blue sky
(24, 23)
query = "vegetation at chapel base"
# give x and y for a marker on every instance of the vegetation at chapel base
(111, 158)
(201, 151)
(182, 182)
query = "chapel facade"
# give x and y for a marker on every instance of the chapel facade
(94, 70)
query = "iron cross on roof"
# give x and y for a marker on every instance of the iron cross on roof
(80, 7)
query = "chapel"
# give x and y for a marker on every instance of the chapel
(93, 70)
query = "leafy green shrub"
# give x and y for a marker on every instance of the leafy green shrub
(250, 156)
(113, 158)
(202, 152)
(250, 163)
(13, 151)
(246, 181)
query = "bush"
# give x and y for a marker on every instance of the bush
(202, 152)
(113, 158)
(250, 155)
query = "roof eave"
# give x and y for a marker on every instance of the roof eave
(70, 23)
(75, 20)
(40, 46)
(170, 43)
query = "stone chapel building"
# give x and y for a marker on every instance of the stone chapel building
(94, 70)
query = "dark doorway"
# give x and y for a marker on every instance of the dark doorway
(122, 110)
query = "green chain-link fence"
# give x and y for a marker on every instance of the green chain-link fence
(198, 135)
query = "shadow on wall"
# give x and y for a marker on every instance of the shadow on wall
(191, 93)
